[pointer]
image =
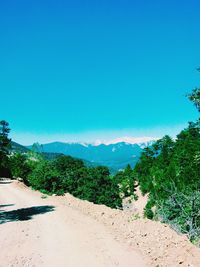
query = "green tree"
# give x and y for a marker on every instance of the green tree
(19, 166)
(67, 174)
(195, 97)
(169, 171)
(5, 144)
(46, 178)
(126, 182)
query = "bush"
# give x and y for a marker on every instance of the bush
(181, 211)
(148, 213)
(19, 166)
(66, 174)
(45, 177)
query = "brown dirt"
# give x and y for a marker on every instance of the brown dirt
(35, 234)
(80, 233)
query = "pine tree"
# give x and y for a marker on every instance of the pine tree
(5, 144)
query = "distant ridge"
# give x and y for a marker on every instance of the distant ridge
(15, 147)
(116, 156)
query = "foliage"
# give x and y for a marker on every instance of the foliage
(126, 182)
(19, 166)
(4, 148)
(67, 164)
(169, 171)
(67, 174)
(181, 211)
(195, 97)
(45, 177)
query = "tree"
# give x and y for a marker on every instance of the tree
(126, 182)
(4, 140)
(68, 174)
(169, 171)
(46, 178)
(19, 166)
(5, 144)
(195, 97)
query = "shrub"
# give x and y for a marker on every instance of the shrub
(19, 166)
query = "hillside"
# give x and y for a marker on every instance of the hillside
(15, 147)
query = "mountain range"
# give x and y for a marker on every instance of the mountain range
(115, 156)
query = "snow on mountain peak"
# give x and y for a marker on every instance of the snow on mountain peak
(143, 141)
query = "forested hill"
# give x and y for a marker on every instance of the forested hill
(15, 147)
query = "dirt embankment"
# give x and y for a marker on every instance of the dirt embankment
(157, 242)
(65, 231)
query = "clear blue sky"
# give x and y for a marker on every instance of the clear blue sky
(93, 68)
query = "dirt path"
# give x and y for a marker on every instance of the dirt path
(43, 232)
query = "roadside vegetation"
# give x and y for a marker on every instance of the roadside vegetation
(169, 172)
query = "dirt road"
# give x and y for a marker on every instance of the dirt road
(43, 232)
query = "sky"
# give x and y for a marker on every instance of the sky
(97, 70)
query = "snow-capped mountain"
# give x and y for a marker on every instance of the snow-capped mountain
(116, 156)
(129, 140)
